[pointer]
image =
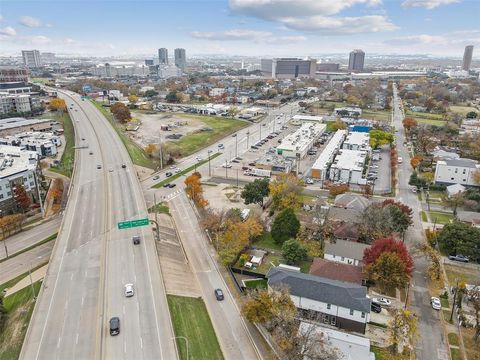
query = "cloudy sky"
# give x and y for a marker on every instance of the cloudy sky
(240, 27)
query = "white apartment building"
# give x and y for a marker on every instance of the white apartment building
(321, 165)
(216, 92)
(456, 171)
(17, 166)
(348, 166)
(357, 141)
(31, 58)
(44, 144)
(297, 144)
(340, 304)
(12, 104)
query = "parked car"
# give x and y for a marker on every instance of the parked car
(252, 163)
(156, 177)
(91, 152)
(166, 185)
(129, 290)
(124, 166)
(309, 181)
(219, 294)
(459, 257)
(99, 166)
(171, 185)
(198, 158)
(382, 301)
(168, 174)
(435, 302)
(376, 308)
(245, 168)
(220, 146)
(136, 240)
(177, 170)
(114, 326)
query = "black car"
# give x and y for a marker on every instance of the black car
(219, 294)
(459, 257)
(124, 166)
(136, 240)
(114, 326)
(171, 185)
(168, 174)
(376, 308)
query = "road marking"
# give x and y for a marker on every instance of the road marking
(141, 342)
(125, 347)
(123, 309)
(71, 276)
(83, 300)
(58, 342)
(76, 340)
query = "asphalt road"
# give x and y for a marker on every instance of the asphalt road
(93, 260)
(27, 238)
(231, 331)
(430, 344)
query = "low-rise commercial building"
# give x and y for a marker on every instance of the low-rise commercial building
(322, 164)
(44, 144)
(12, 126)
(357, 141)
(296, 145)
(457, 171)
(276, 163)
(299, 119)
(348, 166)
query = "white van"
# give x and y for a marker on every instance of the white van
(400, 160)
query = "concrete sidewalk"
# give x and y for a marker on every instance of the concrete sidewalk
(36, 275)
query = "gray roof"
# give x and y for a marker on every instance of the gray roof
(347, 295)
(352, 201)
(348, 249)
(342, 214)
(462, 162)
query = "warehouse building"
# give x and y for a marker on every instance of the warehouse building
(296, 145)
(348, 166)
(357, 141)
(323, 162)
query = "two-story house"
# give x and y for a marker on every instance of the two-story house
(456, 171)
(340, 304)
(347, 252)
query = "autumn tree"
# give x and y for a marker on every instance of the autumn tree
(409, 123)
(388, 271)
(232, 111)
(22, 200)
(263, 306)
(121, 112)
(339, 125)
(293, 252)
(476, 177)
(285, 191)
(285, 226)
(11, 224)
(194, 190)
(133, 99)
(402, 330)
(388, 245)
(256, 191)
(415, 161)
(151, 149)
(454, 201)
(335, 190)
(57, 104)
(379, 138)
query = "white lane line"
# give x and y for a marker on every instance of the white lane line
(83, 300)
(76, 340)
(123, 309)
(141, 342)
(71, 276)
(58, 342)
(125, 346)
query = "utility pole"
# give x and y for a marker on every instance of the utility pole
(454, 300)
(160, 150)
(236, 144)
(155, 208)
(248, 137)
(260, 126)
(226, 169)
(209, 172)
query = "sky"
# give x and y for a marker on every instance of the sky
(240, 27)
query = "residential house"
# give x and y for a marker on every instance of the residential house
(469, 217)
(346, 252)
(337, 271)
(340, 304)
(456, 171)
(352, 201)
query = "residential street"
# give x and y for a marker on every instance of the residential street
(430, 344)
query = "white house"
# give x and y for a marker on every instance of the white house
(336, 303)
(347, 252)
(456, 171)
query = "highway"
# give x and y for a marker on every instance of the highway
(430, 345)
(93, 260)
(231, 331)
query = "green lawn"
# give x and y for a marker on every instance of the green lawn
(426, 118)
(424, 216)
(380, 353)
(444, 302)
(380, 115)
(266, 242)
(453, 339)
(68, 157)
(190, 319)
(256, 284)
(221, 127)
(470, 276)
(137, 154)
(185, 171)
(19, 308)
(267, 263)
(446, 316)
(442, 218)
(455, 353)
(305, 266)
(463, 109)
(160, 208)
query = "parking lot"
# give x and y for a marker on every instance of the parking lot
(382, 170)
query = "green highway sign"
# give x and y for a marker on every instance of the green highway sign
(133, 223)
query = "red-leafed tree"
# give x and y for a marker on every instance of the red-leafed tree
(386, 245)
(21, 197)
(403, 208)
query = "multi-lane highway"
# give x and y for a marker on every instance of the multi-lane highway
(431, 344)
(93, 260)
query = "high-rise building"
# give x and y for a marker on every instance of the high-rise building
(163, 56)
(288, 68)
(356, 60)
(467, 57)
(31, 58)
(180, 58)
(48, 57)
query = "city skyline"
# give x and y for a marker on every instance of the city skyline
(241, 27)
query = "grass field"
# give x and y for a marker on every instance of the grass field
(256, 284)
(19, 308)
(426, 118)
(461, 109)
(138, 156)
(185, 171)
(221, 127)
(190, 319)
(379, 115)
(68, 157)
(424, 216)
(471, 348)
(161, 208)
(470, 276)
(453, 339)
(442, 218)
(266, 241)
(455, 354)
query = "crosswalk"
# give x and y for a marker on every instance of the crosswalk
(172, 195)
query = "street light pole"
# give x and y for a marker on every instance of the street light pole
(209, 172)
(248, 137)
(184, 338)
(236, 144)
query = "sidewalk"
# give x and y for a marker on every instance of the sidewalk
(36, 275)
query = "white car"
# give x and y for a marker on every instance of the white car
(198, 158)
(227, 165)
(177, 170)
(435, 302)
(382, 301)
(309, 181)
(129, 290)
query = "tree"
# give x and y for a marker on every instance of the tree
(285, 226)
(121, 112)
(402, 330)
(256, 191)
(172, 96)
(471, 115)
(194, 189)
(293, 252)
(150, 149)
(263, 306)
(285, 191)
(389, 271)
(151, 93)
(460, 238)
(388, 245)
(415, 161)
(476, 177)
(409, 123)
(3, 310)
(335, 190)
(454, 201)
(57, 104)
(339, 125)
(133, 99)
(379, 138)
(434, 269)
(232, 111)
(11, 224)
(22, 200)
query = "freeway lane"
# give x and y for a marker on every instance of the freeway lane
(431, 344)
(232, 334)
(93, 260)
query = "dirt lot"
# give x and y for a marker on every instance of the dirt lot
(149, 129)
